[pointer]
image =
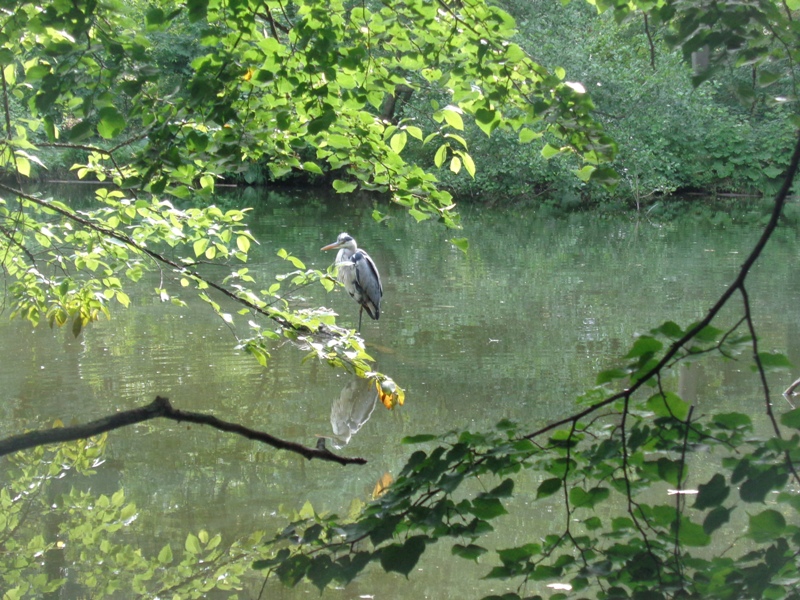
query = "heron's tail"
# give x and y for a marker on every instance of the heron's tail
(373, 310)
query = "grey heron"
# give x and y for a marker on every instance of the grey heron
(359, 275)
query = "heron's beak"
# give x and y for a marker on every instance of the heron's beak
(333, 246)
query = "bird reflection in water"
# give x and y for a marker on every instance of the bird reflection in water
(352, 409)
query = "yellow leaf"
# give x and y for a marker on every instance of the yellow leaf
(389, 393)
(383, 484)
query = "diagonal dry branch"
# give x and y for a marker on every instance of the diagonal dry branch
(161, 407)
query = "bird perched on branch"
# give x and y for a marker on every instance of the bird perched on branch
(359, 275)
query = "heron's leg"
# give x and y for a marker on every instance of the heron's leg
(360, 314)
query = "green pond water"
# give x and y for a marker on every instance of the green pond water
(514, 329)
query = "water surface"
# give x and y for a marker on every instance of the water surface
(514, 329)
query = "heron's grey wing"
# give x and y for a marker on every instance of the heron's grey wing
(369, 282)
(374, 272)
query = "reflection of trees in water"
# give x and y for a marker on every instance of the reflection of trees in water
(352, 409)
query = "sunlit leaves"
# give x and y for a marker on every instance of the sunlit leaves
(549, 151)
(165, 555)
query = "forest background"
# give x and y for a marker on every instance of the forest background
(673, 137)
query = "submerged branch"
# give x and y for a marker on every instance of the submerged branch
(161, 407)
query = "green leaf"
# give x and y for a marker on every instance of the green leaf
(611, 375)
(192, 544)
(716, 519)
(398, 141)
(487, 508)
(593, 523)
(197, 10)
(712, 493)
(733, 421)
(469, 164)
(23, 166)
(668, 405)
(77, 326)
(774, 361)
(418, 215)
(644, 346)
(154, 17)
(791, 419)
(440, 155)
(165, 556)
(343, 187)
(669, 329)
(470, 552)
(692, 534)
(504, 490)
(756, 487)
(293, 569)
(402, 558)
(312, 167)
(452, 114)
(766, 526)
(581, 498)
(80, 131)
(419, 439)
(200, 246)
(111, 122)
(526, 135)
(414, 132)
(585, 173)
(460, 243)
(549, 487)
(321, 571)
(669, 470)
(549, 151)
(322, 123)
(243, 243)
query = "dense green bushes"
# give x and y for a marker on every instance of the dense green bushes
(721, 137)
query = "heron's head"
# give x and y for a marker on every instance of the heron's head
(345, 240)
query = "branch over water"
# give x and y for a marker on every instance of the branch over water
(161, 407)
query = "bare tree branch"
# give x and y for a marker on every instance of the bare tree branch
(736, 286)
(161, 407)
